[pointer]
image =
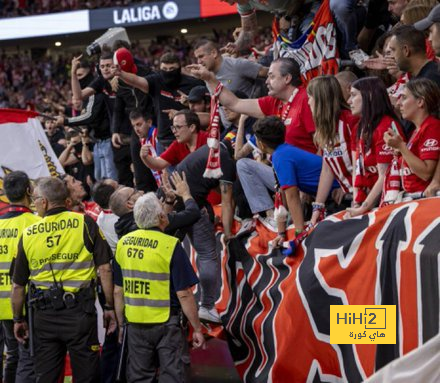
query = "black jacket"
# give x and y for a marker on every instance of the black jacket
(181, 221)
(95, 117)
(125, 225)
(127, 99)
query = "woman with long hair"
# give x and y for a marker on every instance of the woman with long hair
(419, 104)
(369, 100)
(335, 129)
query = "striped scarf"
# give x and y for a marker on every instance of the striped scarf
(213, 168)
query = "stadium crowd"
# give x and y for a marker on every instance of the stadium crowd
(142, 128)
(14, 8)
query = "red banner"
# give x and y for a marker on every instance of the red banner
(16, 115)
(276, 310)
(211, 8)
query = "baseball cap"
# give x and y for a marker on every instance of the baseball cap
(198, 93)
(433, 17)
(124, 59)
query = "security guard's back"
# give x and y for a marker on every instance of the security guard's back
(145, 257)
(17, 187)
(59, 255)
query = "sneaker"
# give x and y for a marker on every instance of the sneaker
(358, 56)
(209, 315)
(247, 225)
(270, 223)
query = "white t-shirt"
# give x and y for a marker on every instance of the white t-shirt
(106, 222)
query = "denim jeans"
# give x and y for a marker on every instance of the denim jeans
(257, 179)
(103, 160)
(202, 237)
(347, 16)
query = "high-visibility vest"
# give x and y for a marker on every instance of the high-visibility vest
(10, 234)
(55, 250)
(145, 260)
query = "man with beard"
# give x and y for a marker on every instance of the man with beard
(287, 99)
(166, 88)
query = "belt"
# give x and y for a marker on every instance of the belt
(174, 312)
(59, 299)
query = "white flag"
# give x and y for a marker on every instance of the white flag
(24, 146)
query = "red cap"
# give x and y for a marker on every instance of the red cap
(124, 59)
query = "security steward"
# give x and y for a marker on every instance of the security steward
(59, 256)
(19, 367)
(157, 277)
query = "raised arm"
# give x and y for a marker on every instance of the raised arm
(131, 79)
(227, 98)
(76, 87)
(242, 149)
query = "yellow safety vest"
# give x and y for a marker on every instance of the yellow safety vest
(145, 258)
(10, 233)
(55, 250)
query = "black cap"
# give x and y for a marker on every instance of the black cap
(198, 93)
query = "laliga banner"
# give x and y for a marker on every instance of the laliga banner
(315, 51)
(24, 146)
(276, 311)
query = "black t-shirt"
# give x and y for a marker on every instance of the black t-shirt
(164, 97)
(430, 71)
(79, 170)
(93, 241)
(100, 85)
(194, 165)
(58, 135)
(53, 140)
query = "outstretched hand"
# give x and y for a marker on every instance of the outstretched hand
(181, 187)
(199, 71)
(170, 194)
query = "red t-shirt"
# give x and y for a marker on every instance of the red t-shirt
(425, 144)
(299, 121)
(367, 160)
(339, 159)
(176, 152)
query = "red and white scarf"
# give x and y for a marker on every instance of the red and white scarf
(392, 184)
(152, 152)
(213, 168)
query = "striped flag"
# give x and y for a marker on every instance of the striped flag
(24, 146)
(276, 310)
(315, 51)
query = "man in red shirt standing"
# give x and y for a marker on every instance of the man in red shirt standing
(189, 137)
(287, 100)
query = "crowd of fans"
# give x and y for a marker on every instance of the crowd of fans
(289, 152)
(131, 122)
(22, 77)
(119, 121)
(16, 8)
